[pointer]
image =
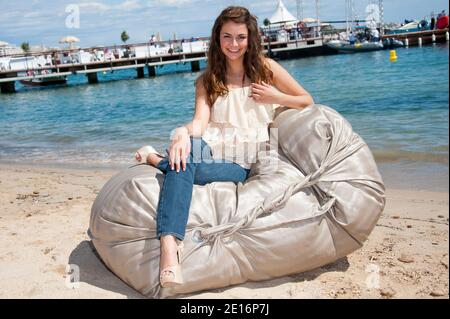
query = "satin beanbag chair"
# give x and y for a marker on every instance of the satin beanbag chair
(311, 199)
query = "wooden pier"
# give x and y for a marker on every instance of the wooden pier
(90, 69)
(420, 37)
(277, 50)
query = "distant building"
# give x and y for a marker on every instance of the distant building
(38, 48)
(9, 49)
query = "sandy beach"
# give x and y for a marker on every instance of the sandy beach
(44, 216)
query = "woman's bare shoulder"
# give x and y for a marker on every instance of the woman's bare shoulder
(199, 82)
(272, 64)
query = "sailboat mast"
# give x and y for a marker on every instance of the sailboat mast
(349, 15)
(381, 8)
(318, 18)
(347, 26)
(300, 10)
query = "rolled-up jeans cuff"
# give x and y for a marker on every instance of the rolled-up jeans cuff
(176, 235)
(162, 165)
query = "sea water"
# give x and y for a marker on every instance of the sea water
(399, 108)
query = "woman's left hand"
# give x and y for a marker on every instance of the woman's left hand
(265, 93)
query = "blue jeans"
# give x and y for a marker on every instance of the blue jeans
(176, 193)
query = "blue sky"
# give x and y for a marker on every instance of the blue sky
(101, 21)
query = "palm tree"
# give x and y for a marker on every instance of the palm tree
(124, 36)
(25, 46)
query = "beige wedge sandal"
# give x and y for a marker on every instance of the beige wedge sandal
(142, 154)
(171, 276)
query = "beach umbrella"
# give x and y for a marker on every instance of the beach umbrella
(309, 20)
(69, 39)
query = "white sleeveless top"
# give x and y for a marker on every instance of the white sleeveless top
(238, 127)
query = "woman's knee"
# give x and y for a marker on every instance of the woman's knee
(242, 175)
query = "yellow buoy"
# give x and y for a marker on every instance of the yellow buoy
(392, 56)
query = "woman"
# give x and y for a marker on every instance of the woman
(235, 100)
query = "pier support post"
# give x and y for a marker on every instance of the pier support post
(195, 66)
(8, 87)
(151, 70)
(92, 78)
(140, 72)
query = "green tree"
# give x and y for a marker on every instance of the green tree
(124, 36)
(266, 22)
(25, 46)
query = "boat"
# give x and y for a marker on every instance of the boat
(391, 43)
(356, 38)
(43, 81)
(347, 47)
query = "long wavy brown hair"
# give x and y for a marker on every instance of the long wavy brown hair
(255, 67)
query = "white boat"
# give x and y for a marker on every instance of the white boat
(347, 47)
(43, 81)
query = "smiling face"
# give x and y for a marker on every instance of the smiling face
(234, 40)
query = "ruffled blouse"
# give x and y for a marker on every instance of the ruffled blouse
(238, 127)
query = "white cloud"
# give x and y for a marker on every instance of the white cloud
(100, 6)
(33, 14)
(95, 6)
(173, 2)
(129, 4)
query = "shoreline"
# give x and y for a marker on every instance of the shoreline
(45, 214)
(401, 174)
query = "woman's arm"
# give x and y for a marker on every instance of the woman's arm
(181, 144)
(288, 91)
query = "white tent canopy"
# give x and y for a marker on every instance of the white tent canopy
(282, 14)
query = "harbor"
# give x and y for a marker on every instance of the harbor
(284, 36)
(79, 62)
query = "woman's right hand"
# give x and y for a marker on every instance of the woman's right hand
(179, 149)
